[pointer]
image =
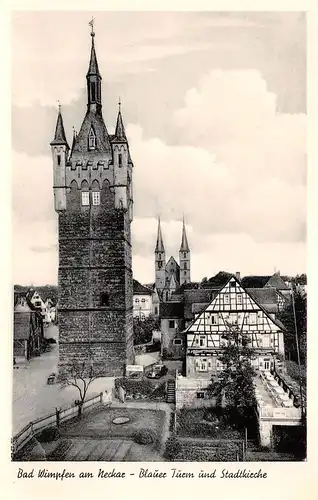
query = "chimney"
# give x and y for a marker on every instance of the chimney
(238, 275)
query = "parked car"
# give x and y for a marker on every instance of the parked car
(158, 371)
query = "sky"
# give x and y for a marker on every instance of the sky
(214, 106)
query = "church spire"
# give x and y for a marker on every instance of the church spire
(59, 136)
(184, 242)
(159, 245)
(120, 134)
(93, 78)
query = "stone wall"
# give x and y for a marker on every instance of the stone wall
(95, 285)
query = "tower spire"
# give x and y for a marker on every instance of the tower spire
(184, 241)
(59, 136)
(159, 245)
(93, 76)
(120, 134)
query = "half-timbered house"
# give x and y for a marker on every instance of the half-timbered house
(232, 306)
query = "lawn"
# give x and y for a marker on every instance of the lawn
(99, 423)
(205, 423)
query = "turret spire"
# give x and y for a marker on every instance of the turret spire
(93, 77)
(184, 242)
(120, 134)
(159, 245)
(59, 136)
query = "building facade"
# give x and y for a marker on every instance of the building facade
(28, 333)
(94, 201)
(232, 307)
(142, 300)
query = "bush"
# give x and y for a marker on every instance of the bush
(173, 448)
(48, 435)
(145, 436)
(133, 386)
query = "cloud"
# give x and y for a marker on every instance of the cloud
(238, 174)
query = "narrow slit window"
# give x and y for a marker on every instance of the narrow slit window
(104, 299)
(120, 159)
(93, 91)
(59, 159)
(91, 139)
(96, 198)
(85, 198)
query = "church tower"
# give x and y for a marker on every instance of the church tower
(93, 199)
(184, 257)
(160, 261)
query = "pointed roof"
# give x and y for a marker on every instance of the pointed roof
(184, 242)
(93, 64)
(159, 245)
(120, 134)
(59, 136)
(95, 121)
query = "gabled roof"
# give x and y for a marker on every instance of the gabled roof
(191, 297)
(232, 277)
(173, 260)
(277, 282)
(171, 310)
(267, 295)
(139, 289)
(95, 121)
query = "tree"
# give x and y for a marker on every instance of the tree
(235, 383)
(79, 375)
(143, 329)
(286, 316)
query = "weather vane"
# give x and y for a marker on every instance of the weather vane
(91, 23)
(119, 102)
(59, 105)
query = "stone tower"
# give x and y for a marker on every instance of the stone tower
(93, 199)
(184, 258)
(160, 261)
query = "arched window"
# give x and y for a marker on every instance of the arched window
(104, 299)
(91, 139)
(185, 265)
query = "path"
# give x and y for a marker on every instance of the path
(33, 398)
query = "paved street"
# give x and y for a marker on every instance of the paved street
(33, 398)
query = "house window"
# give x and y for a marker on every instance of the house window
(202, 341)
(104, 299)
(156, 311)
(202, 365)
(226, 299)
(96, 198)
(213, 319)
(85, 198)
(200, 395)
(59, 159)
(171, 323)
(232, 284)
(137, 301)
(239, 298)
(177, 341)
(142, 317)
(266, 341)
(91, 139)
(252, 318)
(120, 159)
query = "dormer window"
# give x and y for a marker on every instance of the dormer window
(91, 139)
